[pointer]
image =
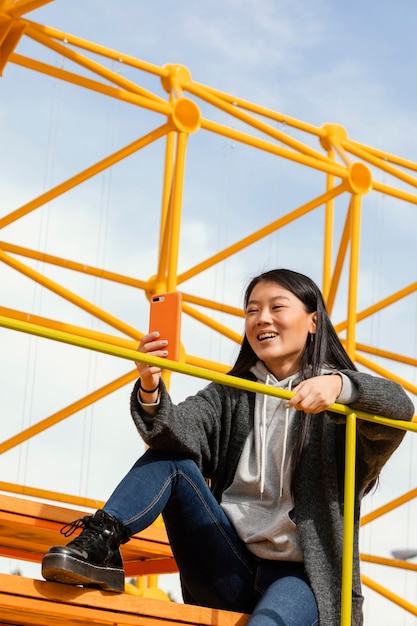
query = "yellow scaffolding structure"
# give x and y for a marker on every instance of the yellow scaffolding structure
(349, 168)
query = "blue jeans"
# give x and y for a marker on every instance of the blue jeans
(216, 568)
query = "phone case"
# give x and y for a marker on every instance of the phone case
(165, 317)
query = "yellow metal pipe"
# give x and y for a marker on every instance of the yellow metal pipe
(385, 156)
(353, 275)
(113, 321)
(124, 95)
(35, 33)
(211, 323)
(207, 364)
(382, 304)
(51, 495)
(103, 337)
(390, 506)
(115, 55)
(263, 111)
(381, 371)
(394, 192)
(385, 354)
(82, 268)
(175, 366)
(263, 232)
(398, 563)
(175, 221)
(328, 234)
(71, 409)
(389, 594)
(348, 520)
(380, 163)
(321, 165)
(81, 331)
(254, 122)
(340, 259)
(98, 167)
(210, 304)
(167, 183)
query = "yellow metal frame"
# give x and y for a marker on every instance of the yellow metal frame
(346, 164)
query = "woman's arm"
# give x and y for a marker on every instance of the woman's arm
(190, 428)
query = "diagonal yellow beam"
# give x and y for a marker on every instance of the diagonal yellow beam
(262, 232)
(252, 121)
(211, 323)
(382, 304)
(36, 33)
(275, 116)
(385, 354)
(114, 55)
(80, 331)
(71, 409)
(411, 608)
(160, 106)
(380, 560)
(55, 496)
(86, 174)
(82, 268)
(365, 155)
(386, 156)
(382, 371)
(322, 165)
(390, 506)
(70, 296)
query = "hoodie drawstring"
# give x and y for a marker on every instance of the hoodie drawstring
(284, 445)
(263, 443)
(263, 439)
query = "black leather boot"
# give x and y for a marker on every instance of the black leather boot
(93, 558)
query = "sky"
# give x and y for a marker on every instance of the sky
(347, 63)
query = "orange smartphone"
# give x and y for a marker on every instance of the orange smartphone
(165, 317)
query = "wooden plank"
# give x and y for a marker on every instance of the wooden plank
(37, 603)
(28, 529)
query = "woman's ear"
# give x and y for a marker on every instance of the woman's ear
(313, 324)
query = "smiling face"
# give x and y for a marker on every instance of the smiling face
(277, 326)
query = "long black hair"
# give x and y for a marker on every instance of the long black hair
(323, 349)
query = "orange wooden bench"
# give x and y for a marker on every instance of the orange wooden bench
(26, 602)
(28, 529)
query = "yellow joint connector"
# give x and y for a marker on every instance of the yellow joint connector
(186, 115)
(175, 77)
(359, 180)
(335, 135)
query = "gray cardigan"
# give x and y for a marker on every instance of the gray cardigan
(211, 427)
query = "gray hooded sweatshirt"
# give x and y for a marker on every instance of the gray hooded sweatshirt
(259, 501)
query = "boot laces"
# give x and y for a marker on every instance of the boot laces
(89, 525)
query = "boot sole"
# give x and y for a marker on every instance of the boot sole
(63, 568)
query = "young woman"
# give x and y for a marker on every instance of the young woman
(266, 537)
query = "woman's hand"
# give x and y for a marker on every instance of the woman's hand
(150, 374)
(316, 394)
